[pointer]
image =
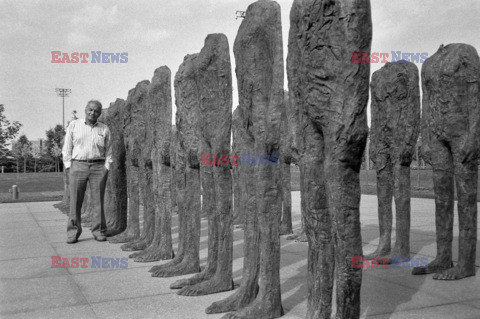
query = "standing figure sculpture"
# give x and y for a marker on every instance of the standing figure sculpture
(160, 105)
(187, 172)
(332, 95)
(215, 87)
(258, 53)
(116, 193)
(145, 165)
(451, 134)
(133, 128)
(395, 125)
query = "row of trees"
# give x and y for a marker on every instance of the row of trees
(23, 153)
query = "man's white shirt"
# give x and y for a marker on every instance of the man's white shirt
(85, 142)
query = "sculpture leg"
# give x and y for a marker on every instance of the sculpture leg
(190, 262)
(208, 206)
(318, 227)
(248, 289)
(401, 250)
(443, 186)
(222, 279)
(161, 246)
(343, 191)
(165, 248)
(133, 226)
(466, 176)
(179, 182)
(267, 304)
(384, 196)
(145, 180)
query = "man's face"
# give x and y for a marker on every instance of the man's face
(92, 112)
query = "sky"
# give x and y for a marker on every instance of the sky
(159, 32)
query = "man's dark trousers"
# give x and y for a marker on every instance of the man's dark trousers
(80, 174)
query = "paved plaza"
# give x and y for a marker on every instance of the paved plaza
(31, 233)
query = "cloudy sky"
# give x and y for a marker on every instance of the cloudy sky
(161, 32)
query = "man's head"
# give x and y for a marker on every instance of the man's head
(93, 111)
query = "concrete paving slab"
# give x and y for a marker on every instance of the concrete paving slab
(72, 312)
(49, 216)
(55, 229)
(40, 206)
(20, 225)
(51, 223)
(22, 240)
(5, 234)
(132, 292)
(17, 217)
(58, 237)
(20, 295)
(28, 251)
(161, 306)
(114, 285)
(454, 291)
(12, 208)
(380, 296)
(472, 303)
(38, 267)
(117, 255)
(86, 244)
(438, 312)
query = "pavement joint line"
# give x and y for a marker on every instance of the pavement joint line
(39, 309)
(102, 270)
(173, 292)
(23, 258)
(432, 306)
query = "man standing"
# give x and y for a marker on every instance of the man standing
(87, 154)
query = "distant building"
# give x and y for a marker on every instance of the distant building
(38, 143)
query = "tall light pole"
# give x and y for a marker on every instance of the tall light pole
(63, 93)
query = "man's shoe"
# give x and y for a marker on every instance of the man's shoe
(100, 237)
(72, 240)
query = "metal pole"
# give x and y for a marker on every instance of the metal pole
(63, 93)
(63, 107)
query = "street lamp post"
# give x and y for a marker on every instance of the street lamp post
(63, 93)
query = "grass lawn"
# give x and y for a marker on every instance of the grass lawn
(49, 186)
(421, 183)
(33, 187)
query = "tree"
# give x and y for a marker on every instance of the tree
(8, 131)
(54, 143)
(22, 148)
(37, 153)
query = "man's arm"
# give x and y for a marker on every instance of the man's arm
(108, 148)
(68, 146)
